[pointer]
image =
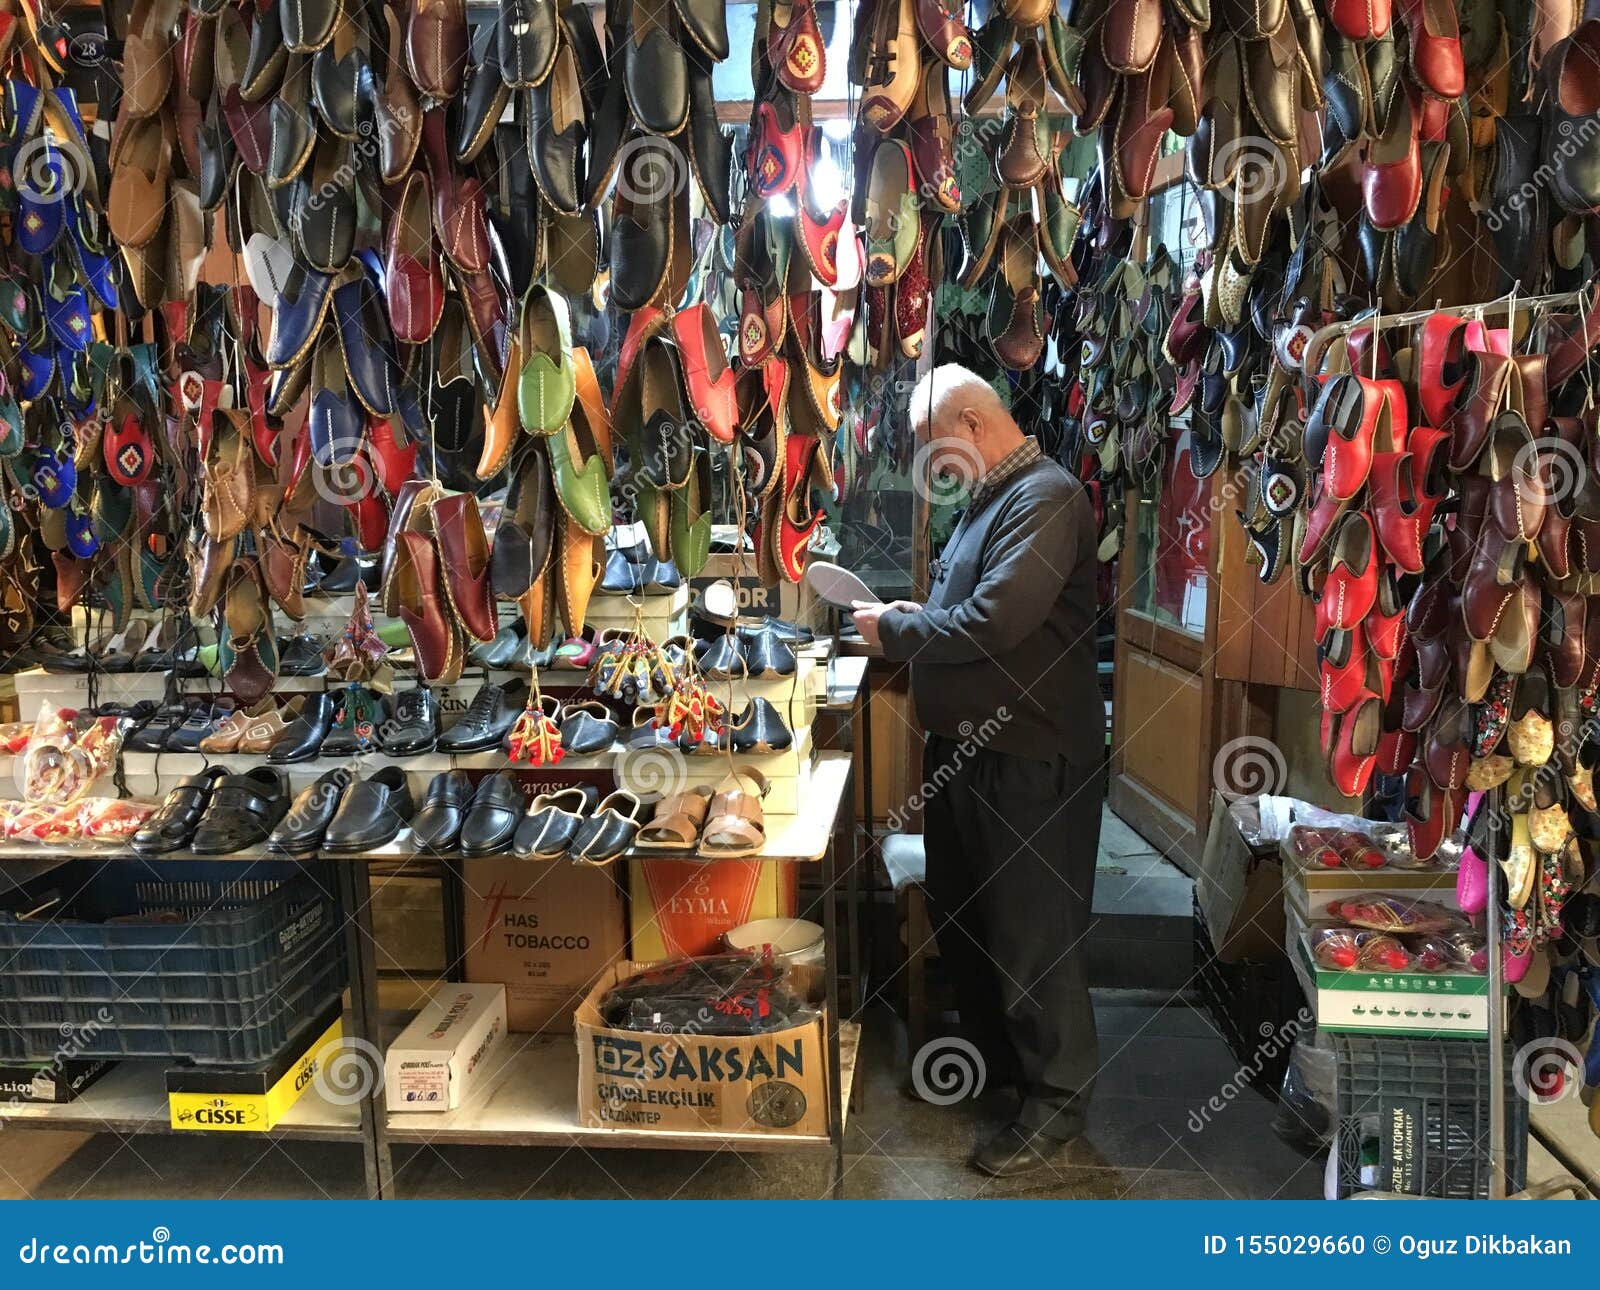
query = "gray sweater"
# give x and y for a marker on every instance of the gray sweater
(1004, 651)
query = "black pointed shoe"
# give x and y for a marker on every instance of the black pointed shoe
(610, 831)
(436, 828)
(491, 821)
(766, 653)
(654, 68)
(308, 24)
(710, 147)
(588, 728)
(371, 814)
(172, 826)
(502, 651)
(525, 38)
(558, 129)
(294, 127)
(482, 104)
(413, 725)
(302, 740)
(300, 832)
(341, 80)
(243, 811)
(551, 823)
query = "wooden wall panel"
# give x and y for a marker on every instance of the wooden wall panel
(1263, 633)
(1159, 727)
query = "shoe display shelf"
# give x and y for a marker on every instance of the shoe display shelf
(648, 772)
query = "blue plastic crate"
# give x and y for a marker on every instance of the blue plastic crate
(252, 952)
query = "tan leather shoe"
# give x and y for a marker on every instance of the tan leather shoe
(580, 566)
(501, 422)
(265, 730)
(225, 738)
(229, 475)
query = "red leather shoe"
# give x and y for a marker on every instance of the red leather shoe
(413, 276)
(1360, 19)
(464, 548)
(1396, 751)
(1391, 176)
(1352, 583)
(777, 147)
(1401, 516)
(435, 637)
(1431, 814)
(369, 515)
(642, 324)
(1351, 411)
(1321, 519)
(1386, 625)
(1342, 667)
(1443, 366)
(706, 374)
(912, 297)
(799, 519)
(819, 231)
(1353, 746)
(1435, 45)
(392, 465)
(1517, 499)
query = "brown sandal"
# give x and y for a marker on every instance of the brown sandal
(736, 825)
(677, 821)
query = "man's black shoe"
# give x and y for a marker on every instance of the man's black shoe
(1017, 1150)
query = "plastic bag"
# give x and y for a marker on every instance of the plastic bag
(718, 994)
(67, 754)
(113, 819)
(1393, 915)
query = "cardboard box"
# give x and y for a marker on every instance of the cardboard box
(679, 907)
(440, 1058)
(545, 930)
(1240, 893)
(251, 1099)
(639, 1081)
(49, 1082)
(1425, 1004)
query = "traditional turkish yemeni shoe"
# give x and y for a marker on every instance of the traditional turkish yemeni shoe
(302, 829)
(557, 133)
(323, 197)
(655, 71)
(777, 146)
(436, 46)
(588, 728)
(425, 609)
(141, 158)
(436, 827)
(464, 550)
(643, 224)
(893, 70)
(341, 78)
(1517, 499)
(147, 58)
(1391, 177)
(242, 812)
(310, 718)
(1571, 76)
(1024, 139)
(795, 47)
(1016, 314)
(1360, 19)
(1444, 364)
(580, 456)
(891, 213)
(370, 362)
(523, 543)
(1346, 416)
(1435, 46)
(1351, 588)
(247, 648)
(297, 318)
(546, 388)
(707, 376)
(173, 825)
(1130, 35)
(610, 831)
(1517, 198)
(759, 729)
(488, 719)
(527, 34)
(766, 653)
(482, 106)
(663, 437)
(1495, 575)
(945, 31)
(491, 820)
(932, 150)
(552, 822)
(710, 147)
(1494, 382)
(294, 129)
(413, 277)
(1401, 515)
(397, 112)
(371, 814)
(1353, 750)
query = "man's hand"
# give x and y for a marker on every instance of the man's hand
(866, 613)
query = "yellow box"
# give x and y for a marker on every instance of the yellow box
(234, 1099)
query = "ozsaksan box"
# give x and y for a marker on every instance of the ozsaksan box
(641, 1081)
(47, 1082)
(447, 1049)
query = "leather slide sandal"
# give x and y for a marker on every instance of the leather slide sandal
(677, 821)
(736, 825)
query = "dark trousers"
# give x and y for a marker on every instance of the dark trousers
(1011, 844)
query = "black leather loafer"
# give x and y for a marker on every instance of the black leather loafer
(610, 831)
(437, 826)
(488, 719)
(525, 39)
(557, 132)
(759, 729)
(482, 104)
(294, 128)
(303, 739)
(242, 812)
(766, 653)
(654, 68)
(709, 145)
(502, 651)
(371, 813)
(172, 826)
(491, 820)
(413, 726)
(1016, 1150)
(300, 832)
(552, 822)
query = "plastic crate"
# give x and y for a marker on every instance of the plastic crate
(1257, 1008)
(1430, 1101)
(254, 952)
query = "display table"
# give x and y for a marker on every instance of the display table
(533, 1099)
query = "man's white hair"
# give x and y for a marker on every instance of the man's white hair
(949, 389)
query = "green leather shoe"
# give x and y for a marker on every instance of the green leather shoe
(548, 386)
(579, 468)
(690, 533)
(892, 214)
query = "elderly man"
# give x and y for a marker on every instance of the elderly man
(1003, 676)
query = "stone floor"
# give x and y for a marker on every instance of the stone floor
(1162, 1061)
